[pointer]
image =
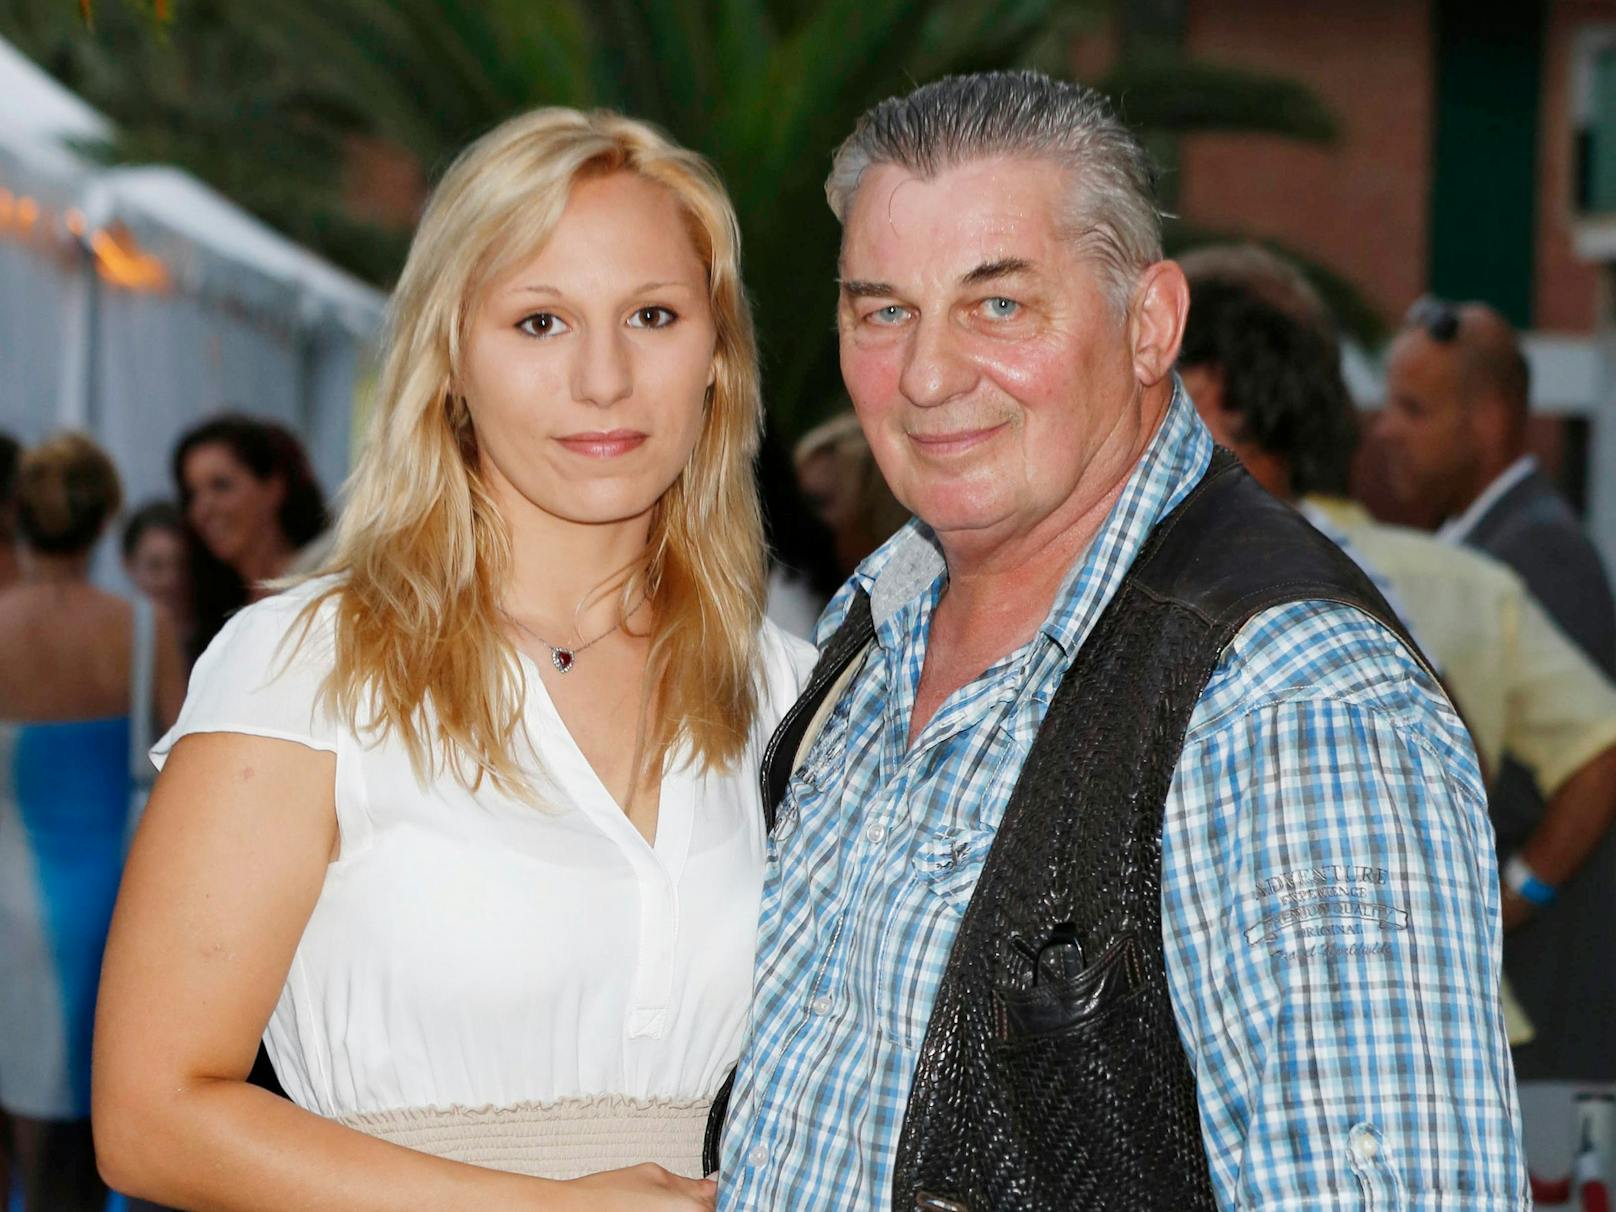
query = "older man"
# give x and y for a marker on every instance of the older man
(1134, 861)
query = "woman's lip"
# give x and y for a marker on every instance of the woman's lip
(953, 443)
(603, 445)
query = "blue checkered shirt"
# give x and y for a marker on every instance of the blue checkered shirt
(1363, 1070)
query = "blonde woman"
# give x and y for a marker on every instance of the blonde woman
(470, 822)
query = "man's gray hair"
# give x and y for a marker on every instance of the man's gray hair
(961, 118)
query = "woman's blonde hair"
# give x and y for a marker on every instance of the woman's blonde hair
(421, 550)
(67, 489)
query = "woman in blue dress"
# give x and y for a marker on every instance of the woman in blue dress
(83, 678)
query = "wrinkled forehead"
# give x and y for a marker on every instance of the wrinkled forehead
(963, 215)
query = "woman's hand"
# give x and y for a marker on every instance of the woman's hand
(643, 1188)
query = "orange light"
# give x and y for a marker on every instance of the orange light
(74, 219)
(120, 261)
(8, 207)
(27, 213)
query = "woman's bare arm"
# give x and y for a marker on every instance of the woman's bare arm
(222, 878)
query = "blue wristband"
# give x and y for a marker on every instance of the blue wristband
(1524, 883)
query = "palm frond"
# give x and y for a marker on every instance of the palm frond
(1178, 96)
(262, 100)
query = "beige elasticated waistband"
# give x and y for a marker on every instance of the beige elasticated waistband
(563, 1139)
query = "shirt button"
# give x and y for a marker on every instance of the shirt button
(820, 1005)
(757, 1155)
(876, 832)
(1368, 1147)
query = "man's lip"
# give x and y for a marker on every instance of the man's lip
(603, 444)
(956, 440)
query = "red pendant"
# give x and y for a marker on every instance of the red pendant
(561, 658)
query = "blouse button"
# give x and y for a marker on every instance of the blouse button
(757, 1155)
(820, 1005)
(876, 832)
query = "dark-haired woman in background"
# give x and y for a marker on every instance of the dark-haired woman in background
(76, 665)
(155, 559)
(251, 503)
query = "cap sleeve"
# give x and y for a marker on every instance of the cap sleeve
(786, 664)
(261, 676)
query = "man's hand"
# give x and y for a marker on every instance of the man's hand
(1514, 909)
(643, 1188)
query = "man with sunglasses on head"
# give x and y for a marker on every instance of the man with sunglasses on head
(1454, 432)
(1454, 435)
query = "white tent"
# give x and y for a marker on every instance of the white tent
(38, 121)
(135, 301)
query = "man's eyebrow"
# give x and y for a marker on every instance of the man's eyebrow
(1002, 268)
(857, 288)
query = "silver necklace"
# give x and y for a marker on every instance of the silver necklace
(564, 656)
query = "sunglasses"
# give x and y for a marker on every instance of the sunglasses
(1438, 317)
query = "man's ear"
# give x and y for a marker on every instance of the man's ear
(1492, 421)
(1161, 300)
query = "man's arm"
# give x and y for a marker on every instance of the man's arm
(1574, 822)
(1561, 725)
(1330, 914)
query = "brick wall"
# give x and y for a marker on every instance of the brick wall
(1359, 205)
(1567, 290)
(1362, 205)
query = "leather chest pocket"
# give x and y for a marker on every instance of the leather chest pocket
(1055, 1007)
(1078, 1065)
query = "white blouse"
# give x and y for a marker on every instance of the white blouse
(472, 950)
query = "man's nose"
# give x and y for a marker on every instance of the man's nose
(935, 369)
(601, 374)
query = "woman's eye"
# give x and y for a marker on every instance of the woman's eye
(652, 317)
(1000, 308)
(541, 324)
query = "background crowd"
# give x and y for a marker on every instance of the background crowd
(1452, 447)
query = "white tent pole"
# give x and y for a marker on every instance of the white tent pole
(78, 340)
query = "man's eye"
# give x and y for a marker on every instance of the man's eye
(652, 317)
(890, 314)
(1000, 308)
(541, 324)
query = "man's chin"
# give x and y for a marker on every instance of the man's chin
(965, 521)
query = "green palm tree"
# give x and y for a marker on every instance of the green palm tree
(262, 100)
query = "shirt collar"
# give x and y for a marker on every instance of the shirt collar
(1342, 511)
(1457, 530)
(911, 562)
